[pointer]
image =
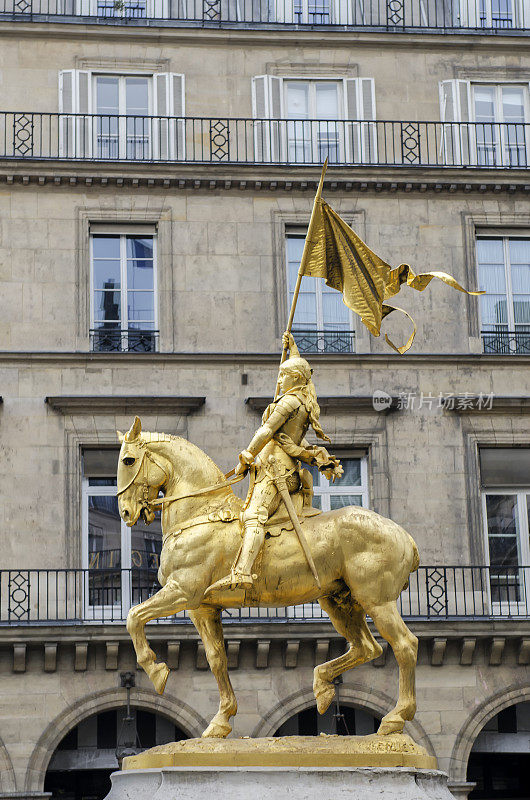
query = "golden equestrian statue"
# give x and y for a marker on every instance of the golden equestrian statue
(216, 553)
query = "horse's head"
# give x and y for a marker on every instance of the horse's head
(141, 475)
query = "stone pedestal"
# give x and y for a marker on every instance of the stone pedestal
(274, 783)
(372, 767)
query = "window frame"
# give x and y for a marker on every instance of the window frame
(312, 128)
(500, 147)
(523, 547)
(510, 303)
(123, 135)
(318, 283)
(124, 320)
(326, 489)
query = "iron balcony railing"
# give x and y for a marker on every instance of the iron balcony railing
(391, 143)
(506, 342)
(39, 596)
(388, 15)
(115, 340)
(309, 340)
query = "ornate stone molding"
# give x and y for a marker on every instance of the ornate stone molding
(126, 404)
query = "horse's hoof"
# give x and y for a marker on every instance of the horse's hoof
(324, 692)
(390, 726)
(159, 676)
(216, 730)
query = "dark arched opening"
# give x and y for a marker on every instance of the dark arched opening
(499, 763)
(82, 763)
(347, 720)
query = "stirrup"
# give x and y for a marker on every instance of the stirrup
(232, 581)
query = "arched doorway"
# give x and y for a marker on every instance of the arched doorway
(81, 765)
(499, 762)
(349, 719)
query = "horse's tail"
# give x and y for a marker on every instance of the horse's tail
(415, 561)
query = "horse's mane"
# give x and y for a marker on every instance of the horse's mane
(150, 437)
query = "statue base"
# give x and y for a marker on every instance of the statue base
(328, 767)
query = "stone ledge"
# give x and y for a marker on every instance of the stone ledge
(480, 404)
(347, 404)
(124, 404)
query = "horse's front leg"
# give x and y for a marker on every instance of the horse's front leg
(168, 600)
(207, 620)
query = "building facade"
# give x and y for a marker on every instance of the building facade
(158, 163)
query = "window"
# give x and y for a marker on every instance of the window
(123, 293)
(350, 490)
(121, 563)
(322, 323)
(500, 113)
(121, 117)
(496, 13)
(122, 104)
(505, 474)
(312, 12)
(504, 273)
(305, 121)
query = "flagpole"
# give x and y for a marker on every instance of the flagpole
(301, 269)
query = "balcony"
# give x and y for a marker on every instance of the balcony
(104, 595)
(309, 340)
(132, 340)
(506, 343)
(475, 16)
(200, 140)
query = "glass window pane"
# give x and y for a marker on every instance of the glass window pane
(484, 103)
(107, 95)
(297, 99)
(513, 103)
(503, 551)
(104, 532)
(140, 275)
(334, 312)
(306, 309)
(519, 251)
(327, 100)
(521, 310)
(140, 306)
(492, 278)
(340, 500)
(493, 310)
(490, 251)
(106, 274)
(317, 501)
(352, 472)
(106, 246)
(139, 248)
(501, 510)
(107, 305)
(137, 96)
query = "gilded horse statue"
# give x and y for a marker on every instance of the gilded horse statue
(363, 563)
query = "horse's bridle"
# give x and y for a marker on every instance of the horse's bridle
(144, 485)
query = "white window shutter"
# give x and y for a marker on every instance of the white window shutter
(455, 109)
(522, 19)
(158, 9)
(469, 13)
(342, 12)
(75, 97)
(168, 102)
(361, 136)
(267, 108)
(177, 127)
(87, 8)
(284, 10)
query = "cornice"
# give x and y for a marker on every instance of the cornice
(165, 32)
(215, 177)
(486, 404)
(346, 360)
(124, 404)
(346, 404)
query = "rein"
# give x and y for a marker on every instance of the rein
(229, 481)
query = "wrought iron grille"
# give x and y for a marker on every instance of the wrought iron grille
(507, 342)
(333, 341)
(86, 595)
(388, 15)
(207, 140)
(114, 340)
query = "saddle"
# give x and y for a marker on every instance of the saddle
(280, 520)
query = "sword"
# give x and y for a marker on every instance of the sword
(281, 484)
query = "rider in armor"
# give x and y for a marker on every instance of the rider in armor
(280, 442)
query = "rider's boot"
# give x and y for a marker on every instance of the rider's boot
(241, 574)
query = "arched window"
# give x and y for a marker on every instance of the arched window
(348, 720)
(81, 766)
(499, 763)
